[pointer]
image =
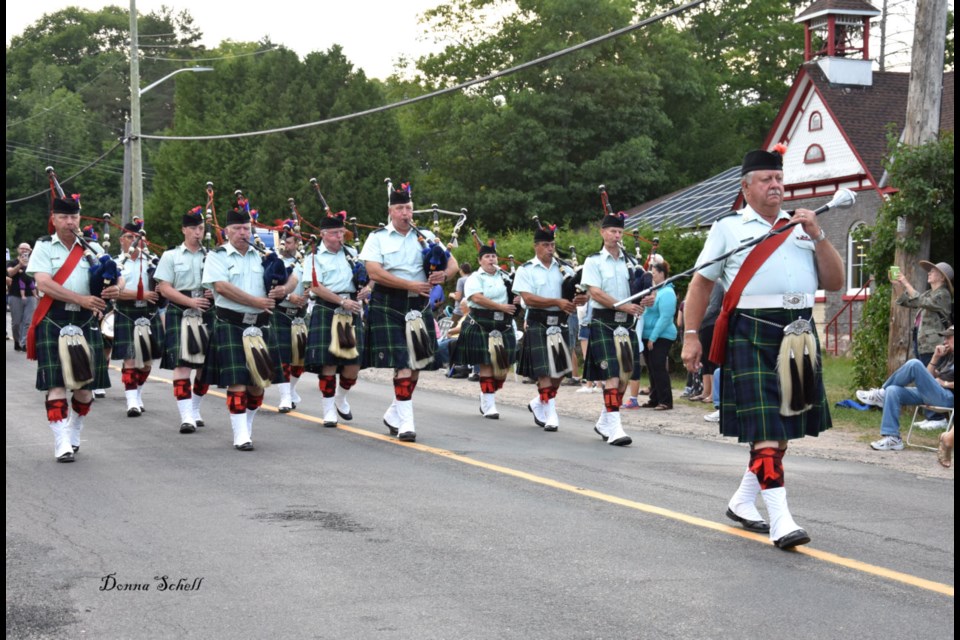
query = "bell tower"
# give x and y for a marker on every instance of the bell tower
(837, 37)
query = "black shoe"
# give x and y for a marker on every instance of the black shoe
(133, 412)
(757, 526)
(199, 423)
(285, 409)
(474, 377)
(76, 448)
(393, 430)
(793, 539)
(246, 446)
(550, 427)
(67, 457)
(345, 416)
(330, 425)
(407, 436)
(186, 427)
(605, 438)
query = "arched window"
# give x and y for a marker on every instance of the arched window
(816, 121)
(814, 154)
(857, 248)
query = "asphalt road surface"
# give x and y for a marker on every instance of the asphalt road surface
(482, 529)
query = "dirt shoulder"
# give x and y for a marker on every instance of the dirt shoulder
(686, 419)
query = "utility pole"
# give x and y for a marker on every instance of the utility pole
(136, 157)
(922, 126)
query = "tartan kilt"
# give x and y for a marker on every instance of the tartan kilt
(532, 360)
(226, 364)
(319, 336)
(600, 362)
(172, 336)
(49, 368)
(281, 326)
(386, 340)
(750, 388)
(471, 347)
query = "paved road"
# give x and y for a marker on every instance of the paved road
(482, 530)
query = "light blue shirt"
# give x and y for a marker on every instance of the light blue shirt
(296, 271)
(226, 264)
(48, 256)
(792, 268)
(533, 277)
(181, 268)
(332, 269)
(134, 270)
(608, 274)
(489, 285)
(401, 255)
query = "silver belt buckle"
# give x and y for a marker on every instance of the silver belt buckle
(620, 316)
(140, 304)
(250, 318)
(498, 315)
(196, 293)
(793, 301)
(71, 306)
(553, 321)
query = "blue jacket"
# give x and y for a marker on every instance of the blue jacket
(658, 319)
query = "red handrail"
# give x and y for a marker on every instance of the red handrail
(859, 296)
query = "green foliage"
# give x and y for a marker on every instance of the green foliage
(924, 176)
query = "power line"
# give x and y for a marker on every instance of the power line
(76, 92)
(237, 55)
(65, 181)
(440, 92)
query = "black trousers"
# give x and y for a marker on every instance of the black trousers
(660, 391)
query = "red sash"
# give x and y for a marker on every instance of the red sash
(46, 301)
(759, 255)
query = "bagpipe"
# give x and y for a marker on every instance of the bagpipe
(360, 277)
(572, 273)
(635, 271)
(103, 270)
(435, 255)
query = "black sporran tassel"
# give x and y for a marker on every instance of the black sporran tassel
(263, 363)
(796, 384)
(144, 348)
(560, 358)
(342, 336)
(351, 336)
(193, 346)
(626, 357)
(425, 343)
(502, 361)
(301, 346)
(80, 362)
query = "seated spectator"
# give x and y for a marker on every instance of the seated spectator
(933, 386)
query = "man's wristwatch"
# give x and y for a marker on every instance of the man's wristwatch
(820, 238)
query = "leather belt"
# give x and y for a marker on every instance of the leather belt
(192, 293)
(548, 318)
(777, 301)
(293, 312)
(390, 292)
(238, 317)
(490, 314)
(611, 315)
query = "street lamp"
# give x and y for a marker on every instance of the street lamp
(133, 155)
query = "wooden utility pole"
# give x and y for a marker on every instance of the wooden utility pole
(922, 126)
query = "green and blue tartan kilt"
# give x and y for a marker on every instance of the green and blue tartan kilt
(386, 338)
(226, 364)
(281, 326)
(750, 386)
(49, 367)
(319, 336)
(172, 335)
(532, 360)
(472, 348)
(600, 363)
(123, 319)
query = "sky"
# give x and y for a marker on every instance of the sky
(373, 33)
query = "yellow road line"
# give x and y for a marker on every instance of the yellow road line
(824, 556)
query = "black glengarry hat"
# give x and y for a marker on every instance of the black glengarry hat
(761, 160)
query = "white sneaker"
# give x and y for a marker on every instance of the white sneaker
(929, 425)
(888, 443)
(713, 417)
(872, 397)
(99, 393)
(584, 389)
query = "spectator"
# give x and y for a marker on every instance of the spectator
(933, 306)
(659, 332)
(706, 339)
(933, 386)
(945, 449)
(465, 270)
(21, 296)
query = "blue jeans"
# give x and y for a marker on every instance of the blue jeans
(716, 388)
(898, 394)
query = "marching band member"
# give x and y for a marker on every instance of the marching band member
(486, 335)
(544, 355)
(137, 328)
(239, 357)
(335, 339)
(289, 325)
(767, 306)
(400, 325)
(189, 318)
(64, 279)
(611, 353)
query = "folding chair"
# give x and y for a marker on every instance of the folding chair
(913, 422)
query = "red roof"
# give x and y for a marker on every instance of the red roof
(848, 7)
